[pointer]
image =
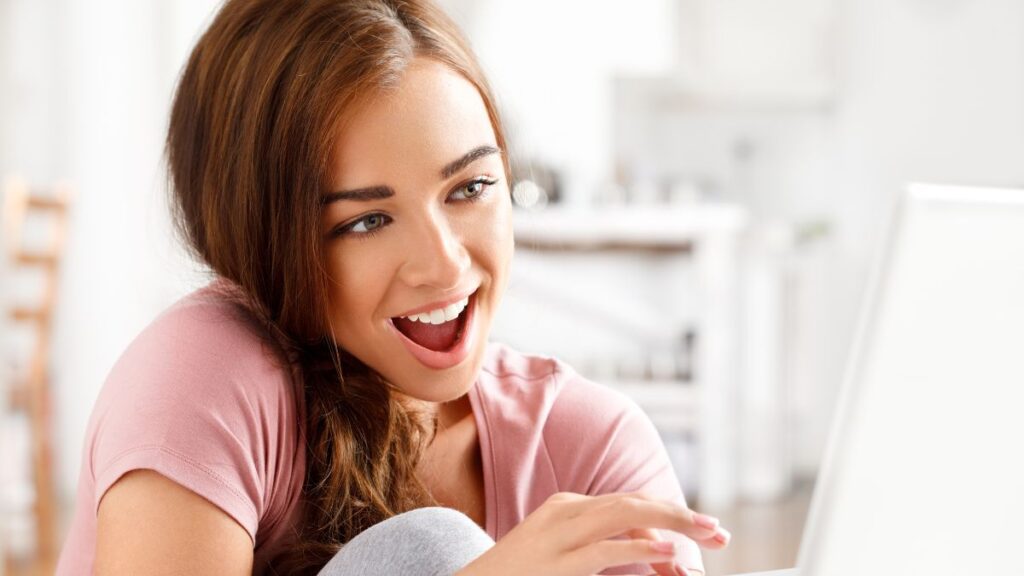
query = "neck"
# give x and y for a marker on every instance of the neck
(448, 414)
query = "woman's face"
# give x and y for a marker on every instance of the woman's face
(420, 221)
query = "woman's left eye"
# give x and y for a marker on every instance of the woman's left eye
(475, 189)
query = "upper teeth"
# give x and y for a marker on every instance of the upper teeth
(441, 315)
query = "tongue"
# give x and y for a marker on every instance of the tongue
(437, 337)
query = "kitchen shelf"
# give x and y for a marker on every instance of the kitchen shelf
(649, 228)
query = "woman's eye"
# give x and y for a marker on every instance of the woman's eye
(475, 189)
(364, 225)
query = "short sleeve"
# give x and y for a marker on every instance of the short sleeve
(601, 441)
(199, 398)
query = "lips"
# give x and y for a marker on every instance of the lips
(453, 339)
(437, 337)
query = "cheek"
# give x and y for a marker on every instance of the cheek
(355, 284)
(488, 237)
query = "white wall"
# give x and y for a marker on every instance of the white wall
(933, 90)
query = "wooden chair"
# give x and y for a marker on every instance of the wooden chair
(30, 392)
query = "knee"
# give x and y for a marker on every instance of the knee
(428, 541)
(438, 531)
(434, 517)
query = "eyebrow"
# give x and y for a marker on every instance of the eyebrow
(382, 192)
(468, 158)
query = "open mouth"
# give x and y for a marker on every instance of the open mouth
(438, 330)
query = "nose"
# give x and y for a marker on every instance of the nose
(436, 256)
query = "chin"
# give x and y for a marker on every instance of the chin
(449, 385)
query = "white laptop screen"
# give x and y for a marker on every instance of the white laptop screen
(925, 470)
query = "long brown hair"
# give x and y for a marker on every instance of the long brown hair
(249, 148)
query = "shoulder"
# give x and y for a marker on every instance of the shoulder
(206, 325)
(199, 373)
(550, 385)
(204, 347)
(568, 406)
(596, 438)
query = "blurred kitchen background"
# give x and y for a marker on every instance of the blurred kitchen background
(701, 188)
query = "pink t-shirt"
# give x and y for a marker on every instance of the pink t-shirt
(200, 398)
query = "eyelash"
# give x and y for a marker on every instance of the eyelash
(345, 229)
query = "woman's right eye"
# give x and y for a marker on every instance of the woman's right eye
(365, 226)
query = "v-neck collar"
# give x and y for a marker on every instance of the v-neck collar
(483, 430)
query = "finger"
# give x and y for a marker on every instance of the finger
(719, 540)
(623, 514)
(597, 556)
(702, 520)
(667, 568)
(561, 506)
(571, 504)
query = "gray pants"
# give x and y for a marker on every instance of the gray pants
(424, 542)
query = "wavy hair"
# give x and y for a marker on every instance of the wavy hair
(250, 146)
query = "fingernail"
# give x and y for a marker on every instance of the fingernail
(680, 571)
(723, 535)
(664, 546)
(705, 521)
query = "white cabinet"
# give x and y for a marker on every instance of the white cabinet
(587, 284)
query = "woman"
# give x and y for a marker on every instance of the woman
(340, 166)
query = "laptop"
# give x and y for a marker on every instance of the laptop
(924, 470)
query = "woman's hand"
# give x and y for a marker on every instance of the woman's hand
(570, 535)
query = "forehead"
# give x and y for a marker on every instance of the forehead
(431, 117)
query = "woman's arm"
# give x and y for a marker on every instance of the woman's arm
(149, 525)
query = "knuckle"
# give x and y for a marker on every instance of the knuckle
(555, 498)
(677, 508)
(604, 552)
(681, 511)
(639, 544)
(561, 497)
(621, 506)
